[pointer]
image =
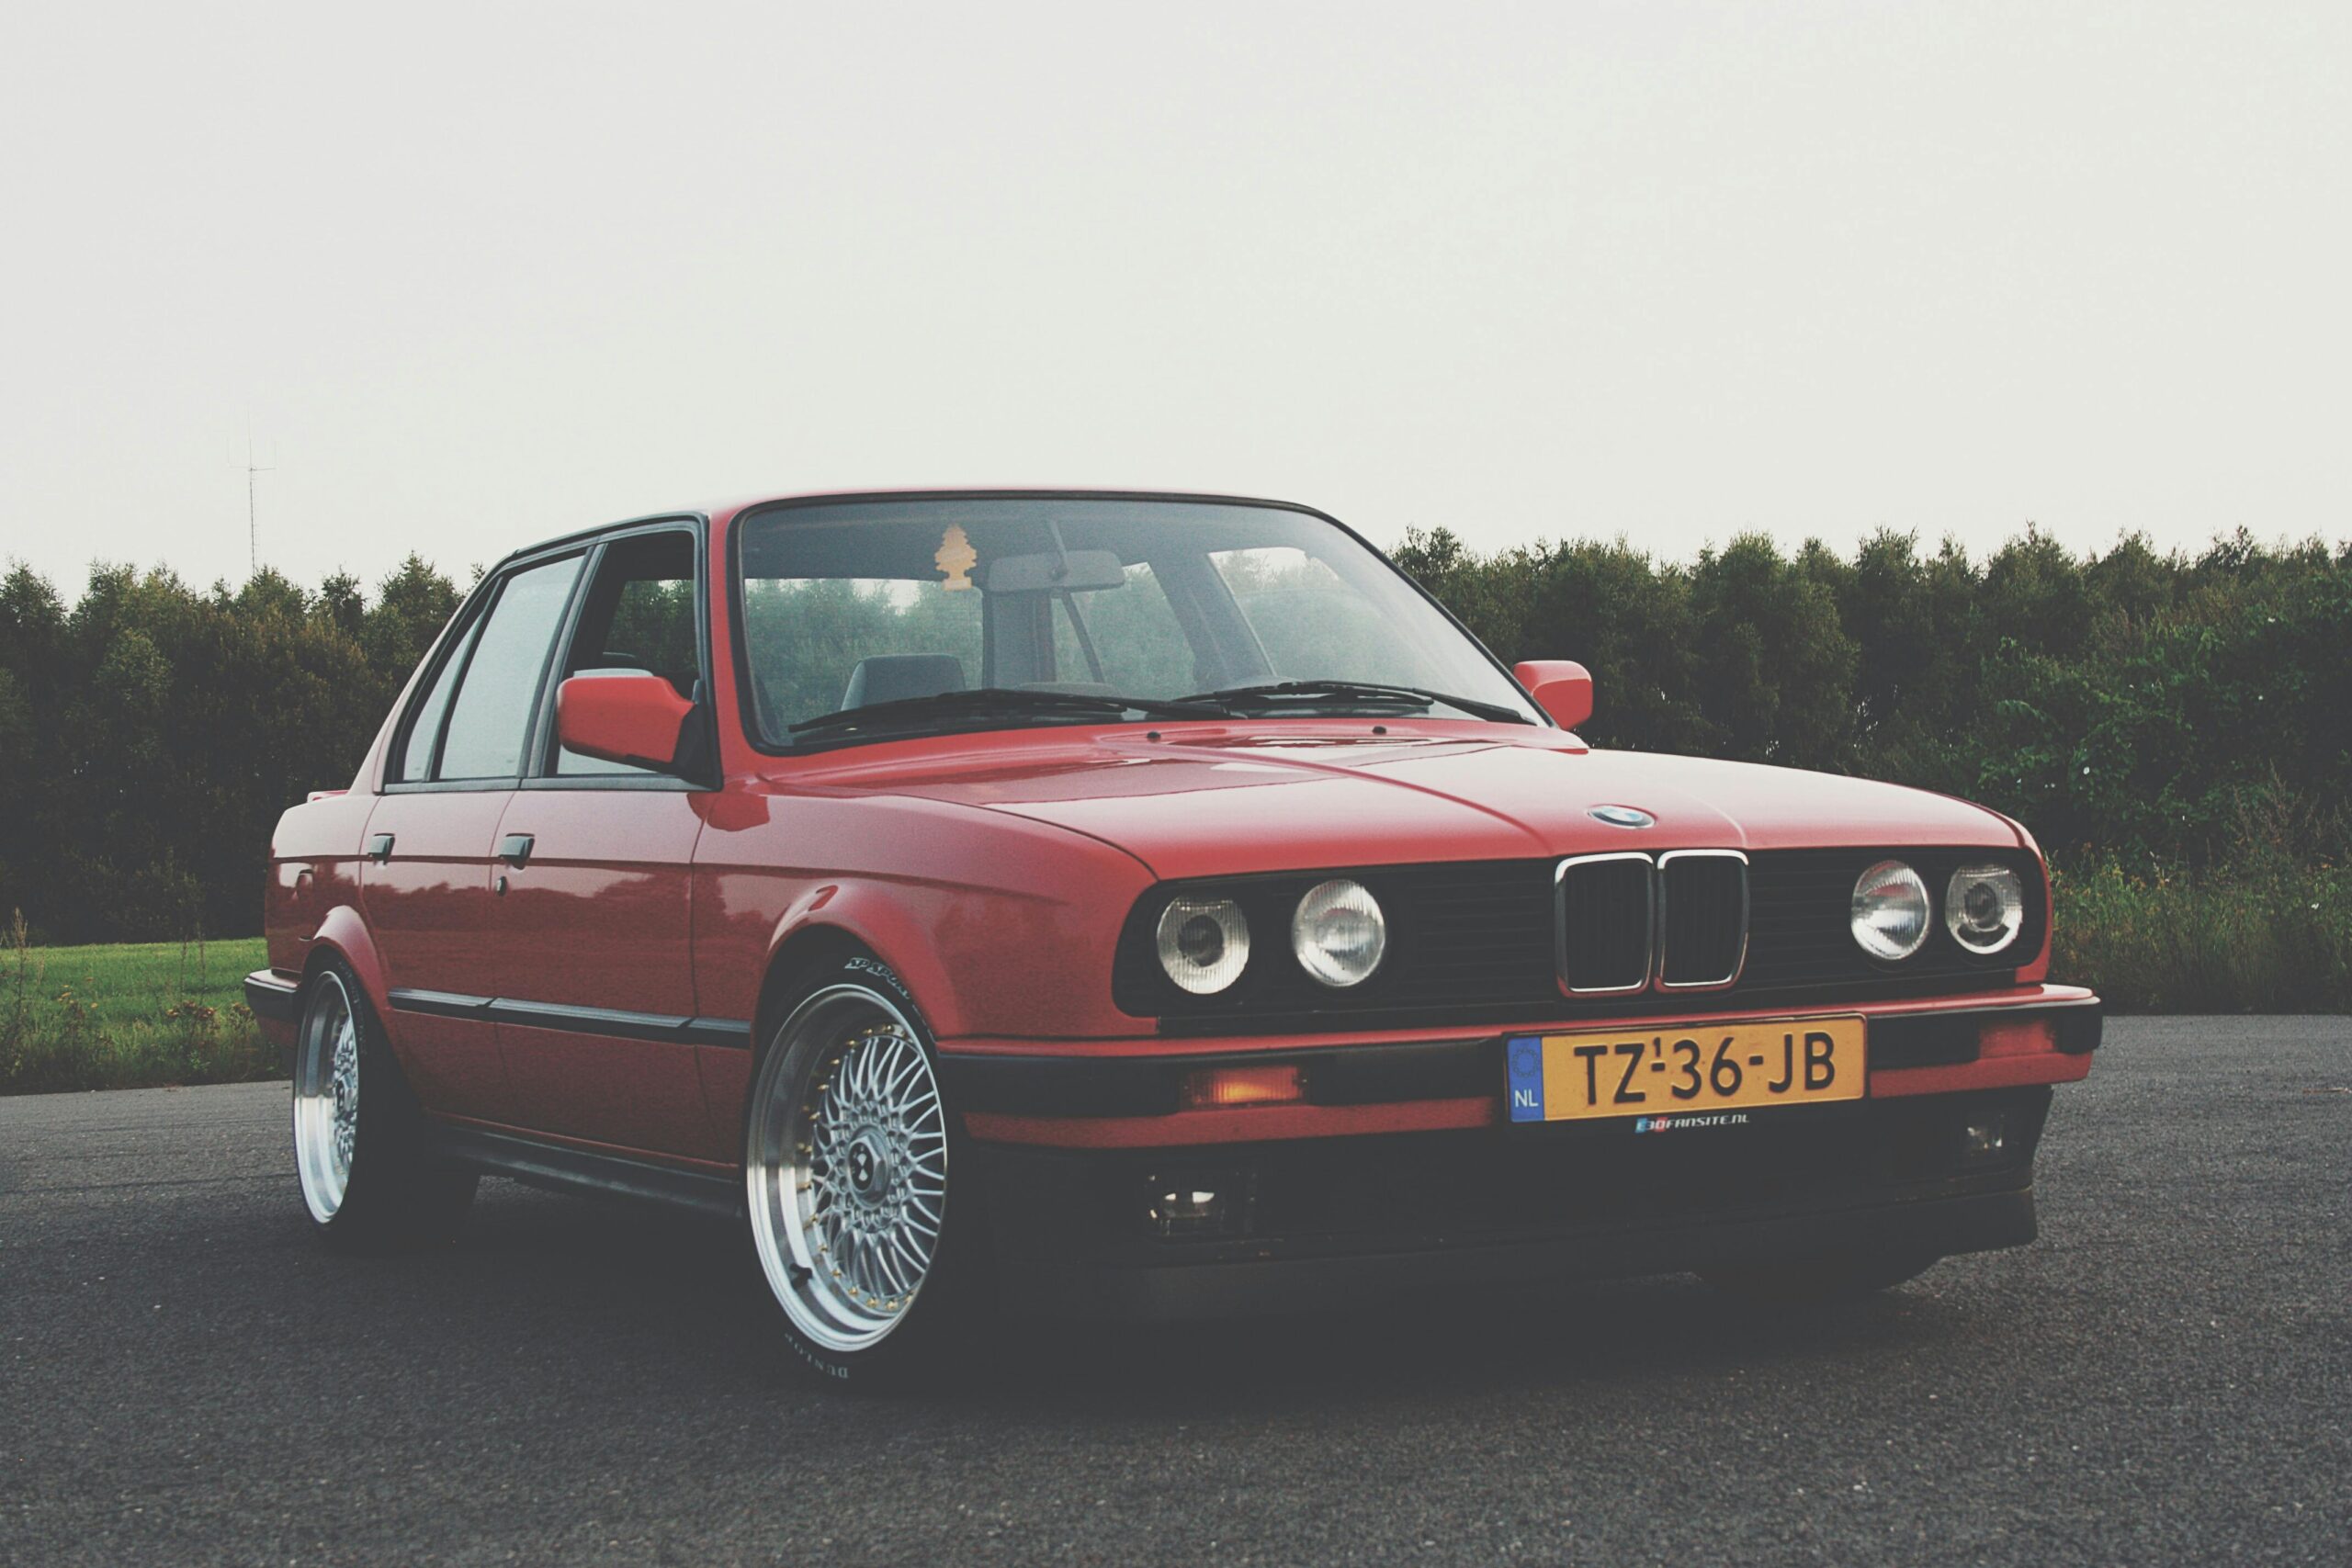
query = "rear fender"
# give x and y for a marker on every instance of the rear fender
(345, 933)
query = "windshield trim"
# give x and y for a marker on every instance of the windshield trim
(755, 735)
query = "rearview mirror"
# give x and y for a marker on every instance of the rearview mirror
(1072, 571)
(636, 719)
(1561, 687)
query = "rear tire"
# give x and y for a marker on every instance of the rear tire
(861, 1210)
(367, 1178)
(1815, 1282)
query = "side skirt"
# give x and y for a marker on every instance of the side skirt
(563, 1169)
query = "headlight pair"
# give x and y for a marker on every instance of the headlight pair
(1891, 914)
(1337, 933)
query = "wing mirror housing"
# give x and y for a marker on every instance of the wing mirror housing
(636, 719)
(1561, 687)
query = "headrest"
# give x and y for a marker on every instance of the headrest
(888, 677)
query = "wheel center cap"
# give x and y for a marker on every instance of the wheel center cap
(868, 1171)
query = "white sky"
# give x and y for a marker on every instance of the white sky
(478, 274)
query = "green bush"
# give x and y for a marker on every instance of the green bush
(2217, 939)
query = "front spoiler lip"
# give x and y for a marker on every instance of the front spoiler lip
(1978, 1222)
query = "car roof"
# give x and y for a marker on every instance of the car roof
(727, 510)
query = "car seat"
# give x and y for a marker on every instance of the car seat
(893, 677)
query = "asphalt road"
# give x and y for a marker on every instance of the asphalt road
(2165, 1378)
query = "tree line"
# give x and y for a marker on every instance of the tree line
(2130, 706)
(150, 733)
(2166, 711)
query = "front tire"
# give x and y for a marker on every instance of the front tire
(366, 1176)
(872, 1253)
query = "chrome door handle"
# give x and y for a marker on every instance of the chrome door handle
(516, 850)
(380, 848)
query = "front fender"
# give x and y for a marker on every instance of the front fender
(872, 920)
(999, 927)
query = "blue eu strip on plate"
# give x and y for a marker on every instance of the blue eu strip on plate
(1525, 1055)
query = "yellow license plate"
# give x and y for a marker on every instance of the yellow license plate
(1686, 1069)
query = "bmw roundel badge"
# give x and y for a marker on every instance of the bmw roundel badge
(1624, 816)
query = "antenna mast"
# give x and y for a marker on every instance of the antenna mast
(253, 516)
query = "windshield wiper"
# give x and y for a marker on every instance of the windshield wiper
(1001, 702)
(1311, 693)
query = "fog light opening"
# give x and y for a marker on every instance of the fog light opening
(1984, 1139)
(1191, 1204)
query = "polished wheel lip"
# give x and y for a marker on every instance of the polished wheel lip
(326, 1096)
(845, 1167)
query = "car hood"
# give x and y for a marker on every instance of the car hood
(1230, 800)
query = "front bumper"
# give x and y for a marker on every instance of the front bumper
(1394, 1168)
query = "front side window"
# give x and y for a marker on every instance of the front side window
(1002, 610)
(637, 618)
(492, 709)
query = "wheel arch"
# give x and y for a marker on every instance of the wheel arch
(344, 935)
(802, 947)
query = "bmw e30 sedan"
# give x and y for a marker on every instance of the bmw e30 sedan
(1141, 905)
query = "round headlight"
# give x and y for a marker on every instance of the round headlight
(1203, 943)
(1338, 932)
(1984, 908)
(1890, 910)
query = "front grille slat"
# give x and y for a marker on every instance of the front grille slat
(1606, 916)
(1702, 925)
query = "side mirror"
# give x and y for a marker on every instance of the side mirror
(1561, 687)
(636, 719)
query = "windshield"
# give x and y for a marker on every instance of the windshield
(849, 606)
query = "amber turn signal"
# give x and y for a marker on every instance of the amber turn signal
(1218, 1089)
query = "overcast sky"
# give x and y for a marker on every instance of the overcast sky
(477, 274)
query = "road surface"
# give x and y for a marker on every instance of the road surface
(2165, 1378)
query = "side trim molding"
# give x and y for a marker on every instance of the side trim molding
(663, 1028)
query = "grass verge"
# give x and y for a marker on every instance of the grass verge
(129, 1015)
(2256, 938)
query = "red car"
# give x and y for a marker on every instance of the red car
(1138, 905)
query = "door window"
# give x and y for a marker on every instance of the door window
(636, 619)
(413, 758)
(495, 693)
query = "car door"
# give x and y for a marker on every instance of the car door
(425, 881)
(591, 908)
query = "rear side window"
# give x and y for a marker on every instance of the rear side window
(492, 709)
(638, 617)
(414, 758)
